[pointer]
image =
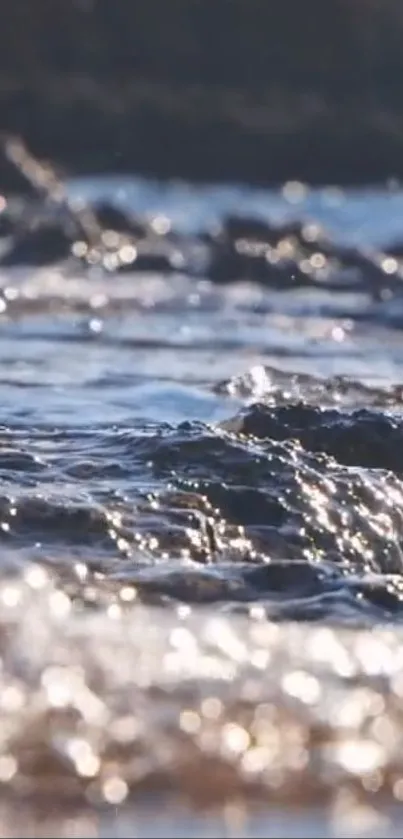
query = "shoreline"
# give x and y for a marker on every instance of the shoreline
(232, 91)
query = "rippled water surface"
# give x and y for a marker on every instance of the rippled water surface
(201, 513)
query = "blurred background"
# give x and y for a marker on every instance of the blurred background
(254, 90)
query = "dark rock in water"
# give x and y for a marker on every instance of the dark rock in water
(395, 249)
(148, 261)
(294, 499)
(111, 217)
(382, 591)
(282, 257)
(236, 227)
(40, 238)
(227, 265)
(291, 577)
(7, 224)
(42, 246)
(245, 248)
(293, 255)
(362, 438)
(245, 227)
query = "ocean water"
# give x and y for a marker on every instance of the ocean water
(201, 520)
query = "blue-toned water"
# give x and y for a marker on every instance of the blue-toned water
(201, 520)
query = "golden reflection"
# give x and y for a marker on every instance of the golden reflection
(113, 703)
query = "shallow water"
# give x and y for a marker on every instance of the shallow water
(201, 519)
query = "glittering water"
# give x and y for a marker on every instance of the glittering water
(201, 519)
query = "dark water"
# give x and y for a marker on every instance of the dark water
(201, 463)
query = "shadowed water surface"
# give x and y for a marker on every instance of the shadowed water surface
(201, 519)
